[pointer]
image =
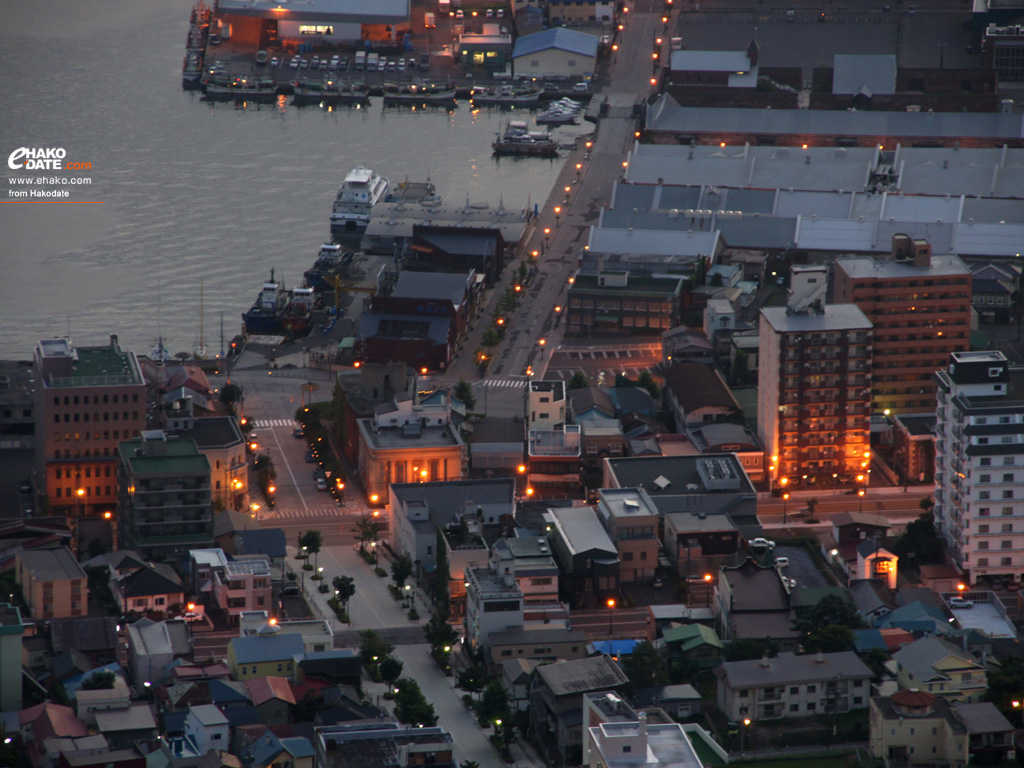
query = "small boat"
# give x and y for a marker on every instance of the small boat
(191, 70)
(297, 318)
(557, 116)
(506, 96)
(328, 263)
(220, 86)
(264, 317)
(428, 94)
(518, 140)
(361, 190)
(312, 91)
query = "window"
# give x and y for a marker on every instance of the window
(794, 690)
(811, 706)
(627, 748)
(1008, 477)
(812, 688)
(161, 600)
(1005, 544)
(986, 462)
(794, 707)
(985, 479)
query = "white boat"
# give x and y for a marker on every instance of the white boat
(361, 190)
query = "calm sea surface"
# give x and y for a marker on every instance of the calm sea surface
(192, 192)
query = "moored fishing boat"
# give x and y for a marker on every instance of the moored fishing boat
(518, 140)
(429, 94)
(297, 318)
(264, 317)
(330, 260)
(314, 91)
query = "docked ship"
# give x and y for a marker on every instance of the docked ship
(313, 91)
(426, 94)
(191, 71)
(331, 259)
(264, 318)
(562, 112)
(361, 190)
(220, 86)
(195, 46)
(506, 96)
(519, 140)
(297, 318)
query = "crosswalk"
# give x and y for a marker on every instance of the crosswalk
(332, 511)
(268, 423)
(510, 383)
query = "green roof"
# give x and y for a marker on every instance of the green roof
(808, 597)
(691, 636)
(94, 366)
(179, 457)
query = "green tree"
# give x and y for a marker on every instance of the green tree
(578, 381)
(99, 681)
(230, 394)
(811, 505)
(493, 704)
(440, 634)
(644, 667)
(464, 392)
(748, 648)
(372, 647)
(307, 707)
(390, 670)
(829, 639)
(401, 569)
(829, 610)
(410, 705)
(646, 381)
(367, 527)
(312, 541)
(490, 337)
(740, 367)
(344, 587)
(920, 541)
(442, 575)
(472, 679)
(1005, 685)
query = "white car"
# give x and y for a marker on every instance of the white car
(274, 61)
(401, 65)
(335, 61)
(294, 63)
(760, 543)
(960, 602)
(782, 562)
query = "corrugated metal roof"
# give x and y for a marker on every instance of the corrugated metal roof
(853, 72)
(561, 38)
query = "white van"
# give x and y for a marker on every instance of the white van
(581, 88)
(372, 60)
(360, 61)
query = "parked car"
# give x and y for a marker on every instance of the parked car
(960, 602)
(401, 65)
(760, 543)
(298, 431)
(274, 61)
(315, 63)
(412, 64)
(335, 62)
(25, 487)
(657, 583)
(782, 562)
(294, 63)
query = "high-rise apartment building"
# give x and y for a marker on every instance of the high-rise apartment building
(920, 306)
(979, 463)
(164, 506)
(88, 399)
(814, 390)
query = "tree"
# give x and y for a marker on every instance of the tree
(372, 647)
(829, 610)
(311, 541)
(367, 527)
(493, 704)
(439, 632)
(464, 392)
(410, 705)
(578, 381)
(472, 679)
(345, 587)
(1005, 684)
(830, 639)
(230, 394)
(920, 541)
(811, 504)
(401, 569)
(644, 667)
(646, 381)
(99, 681)
(490, 338)
(744, 649)
(390, 670)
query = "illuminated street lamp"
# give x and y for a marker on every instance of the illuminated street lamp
(611, 614)
(785, 508)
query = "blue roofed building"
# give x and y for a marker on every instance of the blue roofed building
(269, 750)
(555, 52)
(270, 542)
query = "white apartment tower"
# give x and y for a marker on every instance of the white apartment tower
(979, 463)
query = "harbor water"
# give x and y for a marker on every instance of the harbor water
(191, 192)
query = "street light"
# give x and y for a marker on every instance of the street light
(611, 614)
(785, 507)
(743, 733)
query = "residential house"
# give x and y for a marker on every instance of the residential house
(96, 637)
(220, 440)
(737, 439)
(580, 12)
(692, 644)
(207, 728)
(993, 288)
(793, 686)
(273, 698)
(683, 344)
(917, 728)
(88, 702)
(100, 757)
(553, 465)
(752, 601)
(12, 628)
(557, 700)
(417, 510)
(544, 406)
(397, 745)
(202, 564)
(590, 403)
(515, 675)
(242, 585)
(494, 603)
(697, 543)
(269, 542)
(264, 656)
(872, 597)
(530, 562)
(876, 562)
(697, 394)
(617, 744)
(269, 751)
(152, 645)
(631, 520)
(52, 582)
(935, 665)
(849, 529)
(340, 665)
(601, 438)
(407, 442)
(317, 634)
(917, 617)
(123, 727)
(587, 557)
(47, 721)
(681, 701)
(149, 590)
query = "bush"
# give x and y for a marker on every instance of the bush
(381, 572)
(467, 699)
(395, 591)
(413, 615)
(368, 557)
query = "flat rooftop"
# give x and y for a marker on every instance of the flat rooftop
(399, 437)
(836, 317)
(51, 564)
(985, 615)
(863, 268)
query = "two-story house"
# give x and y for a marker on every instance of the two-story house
(937, 666)
(264, 656)
(208, 728)
(242, 585)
